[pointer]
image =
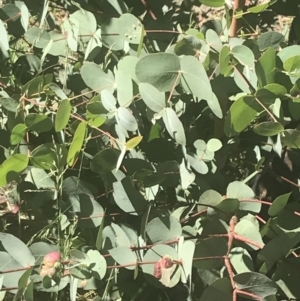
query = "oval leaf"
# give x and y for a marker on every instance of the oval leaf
(63, 115)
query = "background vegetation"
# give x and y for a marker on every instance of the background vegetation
(149, 150)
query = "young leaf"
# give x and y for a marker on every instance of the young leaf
(12, 167)
(159, 70)
(278, 204)
(18, 133)
(133, 142)
(63, 115)
(77, 142)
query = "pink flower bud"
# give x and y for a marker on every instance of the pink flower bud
(46, 271)
(163, 263)
(51, 258)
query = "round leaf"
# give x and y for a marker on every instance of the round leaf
(195, 81)
(159, 70)
(38, 122)
(255, 283)
(128, 198)
(95, 78)
(126, 119)
(130, 28)
(12, 167)
(162, 229)
(153, 98)
(18, 133)
(124, 256)
(243, 54)
(105, 160)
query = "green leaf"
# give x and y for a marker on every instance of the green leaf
(214, 145)
(187, 177)
(18, 133)
(4, 45)
(63, 115)
(195, 81)
(279, 247)
(22, 284)
(49, 156)
(224, 59)
(116, 235)
(89, 212)
(241, 260)
(291, 138)
(160, 70)
(10, 279)
(278, 204)
(220, 289)
(209, 253)
(256, 284)
(128, 198)
(197, 164)
(243, 54)
(97, 264)
(213, 40)
(95, 78)
(124, 88)
(133, 142)
(286, 273)
(265, 67)
(153, 98)
(270, 39)
(87, 23)
(187, 254)
(130, 28)
(124, 256)
(229, 206)
(174, 126)
(249, 229)
(292, 64)
(9, 104)
(268, 128)
(162, 229)
(17, 249)
(245, 106)
(38, 122)
(126, 119)
(37, 37)
(258, 8)
(110, 39)
(105, 160)
(108, 100)
(12, 167)
(213, 3)
(77, 143)
(209, 198)
(128, 64)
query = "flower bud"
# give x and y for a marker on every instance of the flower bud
(51, 259)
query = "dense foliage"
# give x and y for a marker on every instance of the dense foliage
(149, 150)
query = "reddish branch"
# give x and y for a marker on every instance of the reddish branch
(236, 23)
